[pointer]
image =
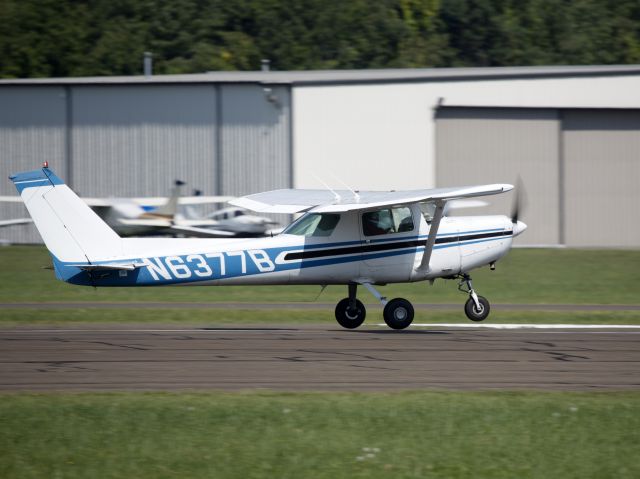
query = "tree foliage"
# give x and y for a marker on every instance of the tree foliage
(43, 38)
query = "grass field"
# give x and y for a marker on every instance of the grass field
(525, 276)
(399, 435)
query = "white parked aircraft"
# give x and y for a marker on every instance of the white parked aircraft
(344, 237)
(153, 216)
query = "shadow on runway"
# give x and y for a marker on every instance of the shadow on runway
(235, 328)
(392, 331)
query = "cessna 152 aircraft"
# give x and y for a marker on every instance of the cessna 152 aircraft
(344, 237)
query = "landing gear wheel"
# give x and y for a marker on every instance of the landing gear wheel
(398, 313)
(475, 314)
(350, 318)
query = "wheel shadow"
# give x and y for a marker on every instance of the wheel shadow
(393, 331)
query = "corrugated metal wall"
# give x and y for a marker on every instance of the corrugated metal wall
(135, 140)
(496, 145)
(32, 130)
(255, 139)
(602, 164)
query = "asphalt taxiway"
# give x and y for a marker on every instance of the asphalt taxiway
(317, 358)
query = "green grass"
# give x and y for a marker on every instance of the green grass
(399, 435)
(215, 317)
(524, 276)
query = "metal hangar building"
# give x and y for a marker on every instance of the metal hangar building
(571, 133)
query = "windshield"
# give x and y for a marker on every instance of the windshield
(314, 224)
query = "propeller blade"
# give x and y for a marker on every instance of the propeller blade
(518, 201)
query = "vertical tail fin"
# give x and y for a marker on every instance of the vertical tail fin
(170, 208)
(70, 229)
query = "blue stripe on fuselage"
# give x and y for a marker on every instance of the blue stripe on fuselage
(193, 268)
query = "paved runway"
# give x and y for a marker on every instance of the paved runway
(317, 358)
(308, 305)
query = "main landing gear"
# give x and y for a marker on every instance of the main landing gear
(350, 312)
(477, 307)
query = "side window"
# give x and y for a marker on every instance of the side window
(387, 221)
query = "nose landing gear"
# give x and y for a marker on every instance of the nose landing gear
(476, 308)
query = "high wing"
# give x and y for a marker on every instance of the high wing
(325, 201)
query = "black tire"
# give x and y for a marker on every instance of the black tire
(398, 313)
(473, 313)
(350, 319)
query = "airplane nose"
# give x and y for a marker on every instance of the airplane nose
(519, 227)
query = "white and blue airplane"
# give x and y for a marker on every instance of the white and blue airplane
(344, 238)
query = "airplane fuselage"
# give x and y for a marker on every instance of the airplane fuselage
(462, 244)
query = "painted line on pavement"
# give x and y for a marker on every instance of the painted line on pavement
(524, 326)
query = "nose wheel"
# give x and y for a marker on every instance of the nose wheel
(476, 308)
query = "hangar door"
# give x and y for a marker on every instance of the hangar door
(601, 151)
(495, 145)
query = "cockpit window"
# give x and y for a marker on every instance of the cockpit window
(314, 224)
(387, 221)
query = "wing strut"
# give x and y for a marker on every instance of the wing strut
(431, 240)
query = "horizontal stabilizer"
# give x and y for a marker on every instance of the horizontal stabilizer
(108, 266)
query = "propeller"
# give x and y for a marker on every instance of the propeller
(519, 203)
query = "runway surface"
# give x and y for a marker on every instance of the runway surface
(317, 358)
(308, 305)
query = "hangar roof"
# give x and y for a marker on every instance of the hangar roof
(329, 77)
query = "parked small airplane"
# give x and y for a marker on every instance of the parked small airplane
(154, 216)
(239, 221)
(344, 237)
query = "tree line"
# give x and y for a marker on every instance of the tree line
(58, 38)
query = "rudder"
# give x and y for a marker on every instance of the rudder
(70, 229)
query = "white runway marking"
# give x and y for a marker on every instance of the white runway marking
(524, 326)
(194, 330)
